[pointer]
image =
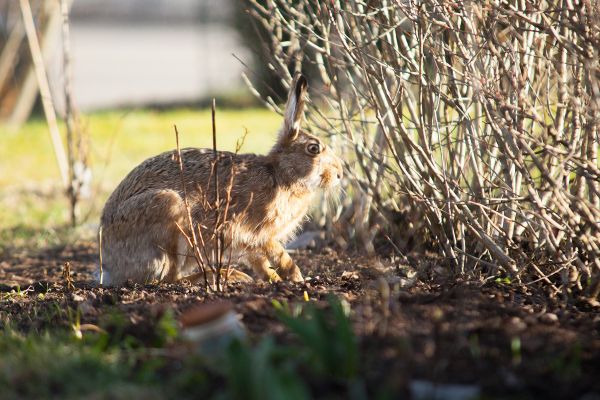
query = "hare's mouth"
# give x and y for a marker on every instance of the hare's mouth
(329, 180)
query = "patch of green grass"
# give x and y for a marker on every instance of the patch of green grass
(58, 366)
(109, 363)
(265, 371)
(120, 140)
(31, 199)
(328, 337)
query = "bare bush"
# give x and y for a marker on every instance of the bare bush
(209, 240)
(472, 125)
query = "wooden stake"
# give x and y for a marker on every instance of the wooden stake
(28, 89)
(42, 78)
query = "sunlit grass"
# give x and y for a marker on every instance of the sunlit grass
(30, 193)
(122, 139)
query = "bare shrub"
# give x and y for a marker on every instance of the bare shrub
(472, 125)
(207, 241)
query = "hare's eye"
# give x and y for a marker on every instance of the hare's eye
(314, 148)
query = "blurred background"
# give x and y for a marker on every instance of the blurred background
(138, 52)
(135, 52)
(132, 70)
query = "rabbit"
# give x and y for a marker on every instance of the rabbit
(142, 221)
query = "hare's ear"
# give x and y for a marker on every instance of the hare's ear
(294, 109)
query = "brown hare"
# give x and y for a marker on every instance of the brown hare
(270, 195)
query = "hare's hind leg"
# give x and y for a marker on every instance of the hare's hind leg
(141, 239)
(187, 266)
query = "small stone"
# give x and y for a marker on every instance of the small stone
(77, 298)
(421, 389)
(549, 318)
(349, 275)
(518, 324)
(406, 283)
(304, 241)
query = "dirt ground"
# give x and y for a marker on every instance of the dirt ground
(413, 324)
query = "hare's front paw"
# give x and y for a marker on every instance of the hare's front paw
(290, 271)
(295, 275)
(284, 265)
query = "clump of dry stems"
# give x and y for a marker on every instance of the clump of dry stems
(471, 124)
(209, 240)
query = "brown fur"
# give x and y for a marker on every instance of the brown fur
(270, 196)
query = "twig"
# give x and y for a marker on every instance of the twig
(193, 241)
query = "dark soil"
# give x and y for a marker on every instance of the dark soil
(509, 340)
